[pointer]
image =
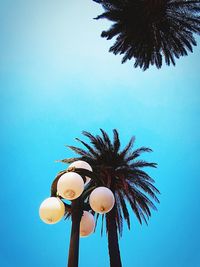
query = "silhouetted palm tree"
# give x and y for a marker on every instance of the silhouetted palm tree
(150, 30)
(121, 171)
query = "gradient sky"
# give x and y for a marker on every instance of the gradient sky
(57, 79)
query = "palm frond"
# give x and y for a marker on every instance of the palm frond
(136, 153)
(127, 147)
(68, 160)
(141, 174)
(96, 221)
(78, 150)
(134, 207)
(106, 139)
(90, 149)
(116, 141)
(124, 209)
(147, 187)
(96, 141)
(141, 199)
(142, 164)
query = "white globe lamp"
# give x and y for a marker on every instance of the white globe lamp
(83, 165)
(51, 210)
(102, 200)
(87, 224)
(70, 185)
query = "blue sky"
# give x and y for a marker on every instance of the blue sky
(57, 79)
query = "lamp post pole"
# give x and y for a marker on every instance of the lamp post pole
(76, 213)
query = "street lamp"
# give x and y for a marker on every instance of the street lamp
(51, 210)
(71, 185)
(83, 165)
(101, 200)
(87, 224)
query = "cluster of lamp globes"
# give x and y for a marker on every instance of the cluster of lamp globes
(70, 186)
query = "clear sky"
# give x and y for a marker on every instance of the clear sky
(57, 79)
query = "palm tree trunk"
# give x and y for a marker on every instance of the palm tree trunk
(113, 244)
(77, 212)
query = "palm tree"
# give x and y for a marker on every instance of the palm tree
(150, 30)
(121, 171)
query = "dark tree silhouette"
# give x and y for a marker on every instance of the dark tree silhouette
(150, 30)
(121, 171)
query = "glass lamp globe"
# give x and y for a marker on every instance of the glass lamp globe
(87, 224)
(102, 200)
(70, 185)
(83, 165)
(51, 210)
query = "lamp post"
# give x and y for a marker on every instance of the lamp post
(76, 211)
(72, 185)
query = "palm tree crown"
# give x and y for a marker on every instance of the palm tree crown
(120, 170)
(150, 30)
